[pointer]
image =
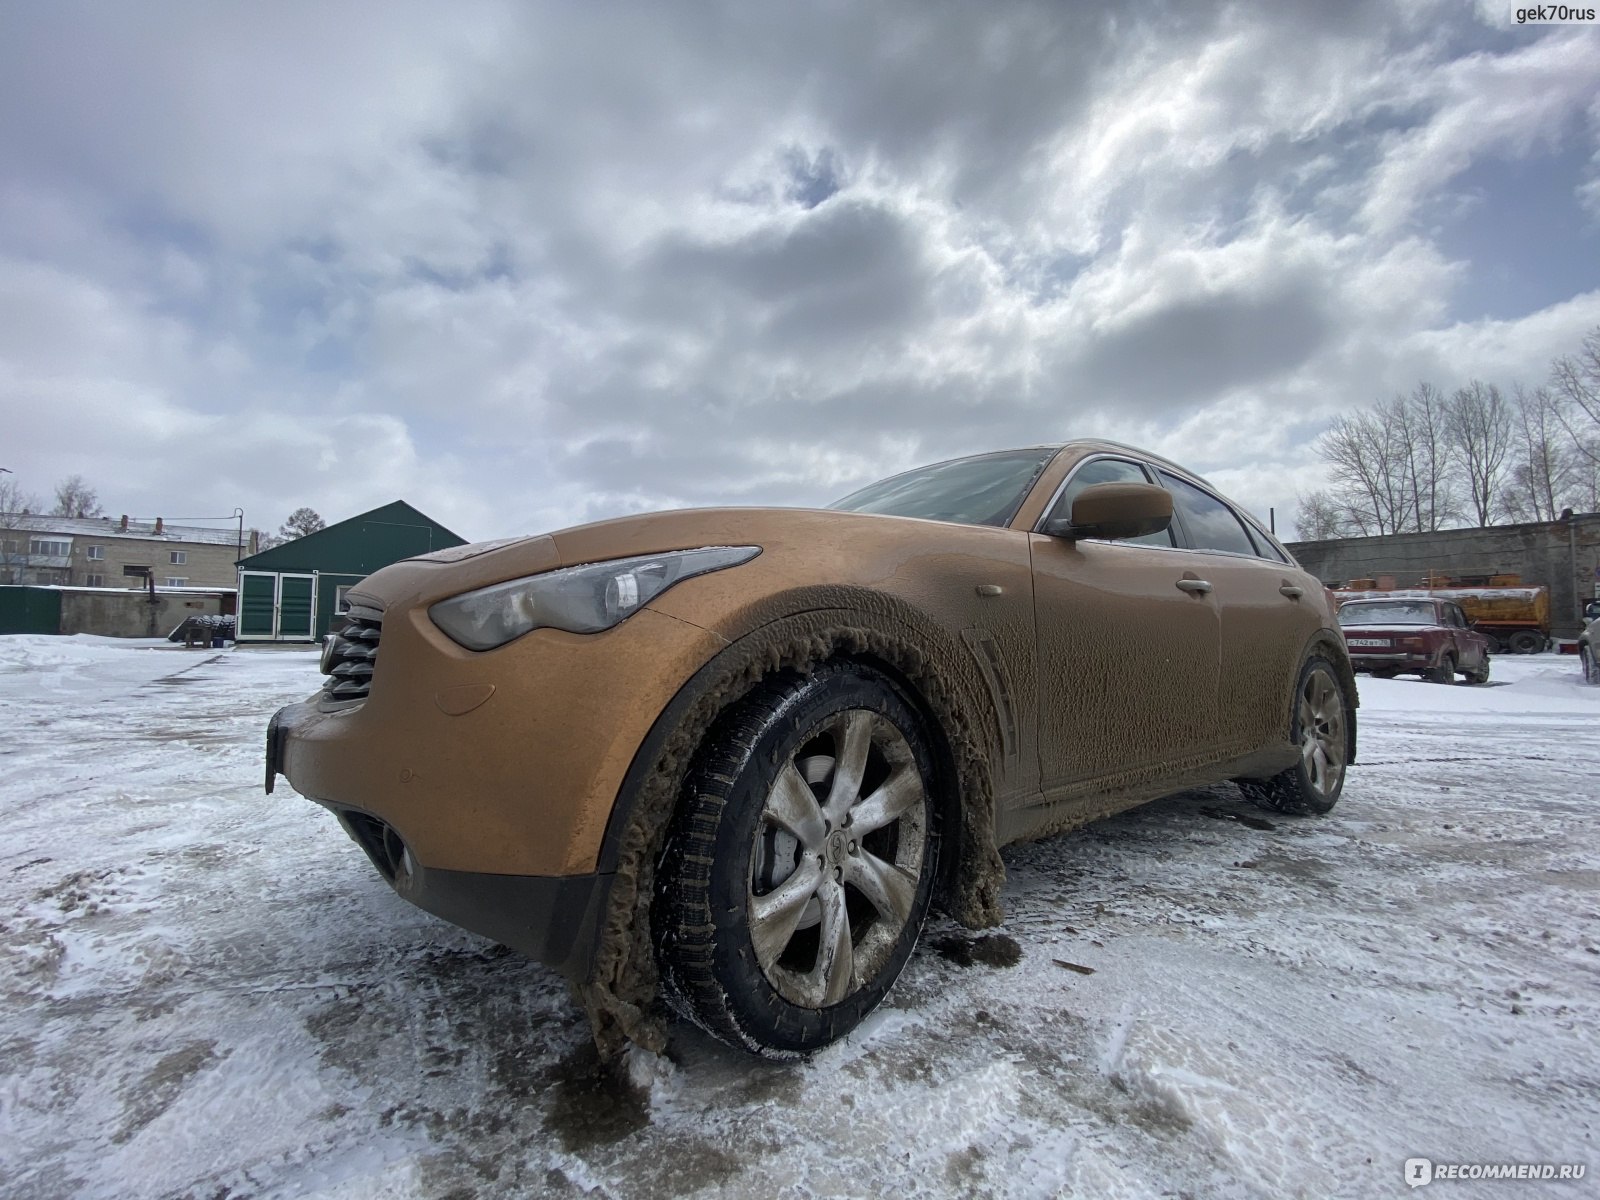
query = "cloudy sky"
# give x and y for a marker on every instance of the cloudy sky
(528, 265)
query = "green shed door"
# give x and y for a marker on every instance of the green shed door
(295, 607)
(258, 605)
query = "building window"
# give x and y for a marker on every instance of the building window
(95, 552)
(49, 547)
(94, 581)
(179, 558)
(177, 581)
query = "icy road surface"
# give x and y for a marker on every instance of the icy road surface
(208, 992)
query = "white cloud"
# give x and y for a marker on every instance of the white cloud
(528, 265)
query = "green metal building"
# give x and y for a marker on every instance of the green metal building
(291, 592)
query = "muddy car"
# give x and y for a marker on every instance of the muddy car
(1427, 637)
(732, 756)
(1588, 649)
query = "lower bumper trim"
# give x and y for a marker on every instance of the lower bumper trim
(552, 919)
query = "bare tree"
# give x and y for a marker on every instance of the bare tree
(13, 499)
(1542, 467)
(1361, 463)
(1420, 437)
(1320, 517)
(1478, 422)
(1575, 380)
(1391, 465)
(75, 498)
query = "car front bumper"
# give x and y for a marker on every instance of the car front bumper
(481, 785)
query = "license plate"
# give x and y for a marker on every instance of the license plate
(1367, 642)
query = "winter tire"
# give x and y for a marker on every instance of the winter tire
(1591, 669)
(1445, 672)
(1319, 724)
(801, 861)
(1481, 675)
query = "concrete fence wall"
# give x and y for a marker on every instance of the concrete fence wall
(103, 611)
(1562, 555)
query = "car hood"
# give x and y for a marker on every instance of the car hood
(818, 535)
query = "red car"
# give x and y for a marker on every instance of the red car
(1427, 637)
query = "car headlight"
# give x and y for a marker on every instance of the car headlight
(586, 599)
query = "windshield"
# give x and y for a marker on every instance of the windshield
(1388, 612)
(984, 490)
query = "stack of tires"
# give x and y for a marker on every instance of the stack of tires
(209, 629)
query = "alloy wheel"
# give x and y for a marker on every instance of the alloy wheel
(839, 850)
(1322, 733)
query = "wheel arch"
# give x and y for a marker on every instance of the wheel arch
(938, 677)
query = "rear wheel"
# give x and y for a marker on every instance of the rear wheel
(801, 863)
(1319, 723)
(1525, 641)
(1445, 672)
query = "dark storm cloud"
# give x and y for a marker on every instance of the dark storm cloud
(1173, 358)
(846, 271)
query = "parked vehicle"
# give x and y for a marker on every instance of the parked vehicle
(756, 744)
(1589, 651)
(1423, 636)
(1515, 618)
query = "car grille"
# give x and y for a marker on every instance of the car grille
(349, 659)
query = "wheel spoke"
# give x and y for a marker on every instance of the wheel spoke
(850, 763)
(1327, 696)
(901, 792)
(885, 886)
(773, 917)
(835, 952)
(1333, 743)
(792, 806)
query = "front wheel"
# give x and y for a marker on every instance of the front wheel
(1319, 723)
(1481, 675)
(1591, 669)
(801, 863)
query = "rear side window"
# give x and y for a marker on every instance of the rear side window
(1209, 522)
(1107, 470)
(1265, 546)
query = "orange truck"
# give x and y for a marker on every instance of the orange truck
(1517, 618)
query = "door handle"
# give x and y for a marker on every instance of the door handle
(1195, 587)
(1291, 591)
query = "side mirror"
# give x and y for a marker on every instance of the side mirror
(1114, 510)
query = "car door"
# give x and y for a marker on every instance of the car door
(1267, 614)
(1127, 652)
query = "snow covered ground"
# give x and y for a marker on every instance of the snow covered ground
(205, 991)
